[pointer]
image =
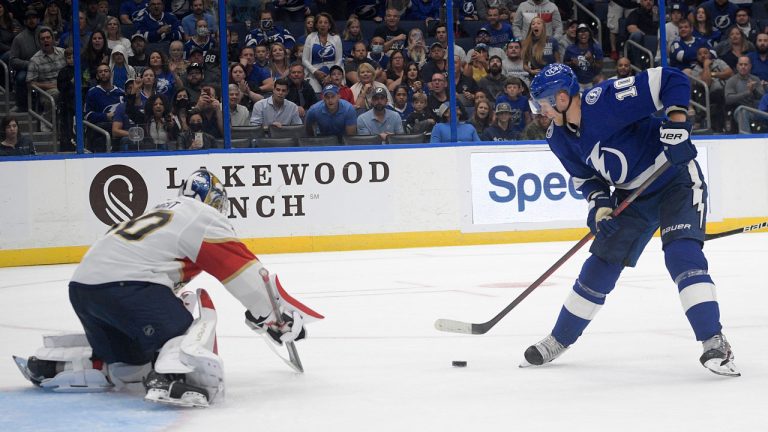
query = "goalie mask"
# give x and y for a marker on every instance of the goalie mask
(549, 82)
(203, 186)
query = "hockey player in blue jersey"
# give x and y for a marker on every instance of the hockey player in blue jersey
(610, 138)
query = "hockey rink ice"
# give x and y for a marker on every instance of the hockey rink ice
(376, 363)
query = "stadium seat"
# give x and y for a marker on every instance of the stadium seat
(292, 131)
(241, 143)
(274, 142)
(368, 27)
(319, 141)
(471, 27)
(406, 139)
(361, 139)
(247, 132)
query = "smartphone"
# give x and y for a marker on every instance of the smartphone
(199, 137)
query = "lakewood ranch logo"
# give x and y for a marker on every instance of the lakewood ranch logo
(118, 193)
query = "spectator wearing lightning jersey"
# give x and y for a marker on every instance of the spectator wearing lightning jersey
(610, 138)
(101, 101)
(158, 26)
(267, 33)
(322, 50)
(201, 40)
(683, 51)
(130, 10)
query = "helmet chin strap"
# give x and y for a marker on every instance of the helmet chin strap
(571, 127)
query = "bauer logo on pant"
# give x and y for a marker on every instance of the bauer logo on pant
(118, 193)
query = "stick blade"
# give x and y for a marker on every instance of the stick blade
(453, 326)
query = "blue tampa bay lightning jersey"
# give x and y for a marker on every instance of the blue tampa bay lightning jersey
(617, 143)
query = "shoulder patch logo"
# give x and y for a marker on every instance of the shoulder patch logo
(593, 95)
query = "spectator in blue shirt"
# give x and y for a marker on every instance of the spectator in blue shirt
(585, 57)
(501, 32)
(101, 100)
(158, 26)
(331, 116)
(379, 120)
(465, 132)
(189, 22)
(503, 127)
(683, 50)
(130, 10)
(759, 58)
(721, 12)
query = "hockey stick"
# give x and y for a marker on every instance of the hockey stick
(748, 228)
(293, 356)
(454, 326)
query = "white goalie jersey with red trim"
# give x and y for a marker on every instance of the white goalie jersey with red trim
(171, 244)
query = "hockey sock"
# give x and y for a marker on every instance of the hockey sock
(596, 280)
(688, 267)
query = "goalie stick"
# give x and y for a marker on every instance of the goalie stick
(293, 356)
(453, 326)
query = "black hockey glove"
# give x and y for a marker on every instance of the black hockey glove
(676, 137)
(292, 328)
(599, 219)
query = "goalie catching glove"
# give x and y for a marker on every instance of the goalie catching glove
(676, 137)
(599, 219)
(290, 328)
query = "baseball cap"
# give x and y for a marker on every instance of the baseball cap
(483, 30)
(435, 44)
(503, 107)
(31, 12)
(583, 27)
(443, 108)
(334, 67)
(379, 91)
(138, 35)
(676, 7)
(481, 46)
(330, 88)
(197, 66)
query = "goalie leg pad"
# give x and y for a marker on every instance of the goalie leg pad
(194, 354)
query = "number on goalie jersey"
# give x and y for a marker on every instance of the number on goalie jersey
(609, 137)
(123, 291)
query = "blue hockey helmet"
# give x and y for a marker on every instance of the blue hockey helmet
(205, 187)
(549, 82)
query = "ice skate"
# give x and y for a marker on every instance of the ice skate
(163, 389)
(718, 356)
(542, 352)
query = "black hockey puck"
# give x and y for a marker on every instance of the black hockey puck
(459, 363)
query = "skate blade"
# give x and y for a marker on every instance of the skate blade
(187, 400)
(719, 367)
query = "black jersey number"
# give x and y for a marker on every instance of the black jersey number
(136, 229)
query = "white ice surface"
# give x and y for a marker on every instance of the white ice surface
(376, 363)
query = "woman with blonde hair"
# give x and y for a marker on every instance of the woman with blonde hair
(278, 60)
(352, 33)
(539, 49)
(415, 50)
(114, 37)
(362, 91)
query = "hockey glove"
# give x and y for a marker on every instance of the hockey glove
(676, 137)
(599, 219)
(292, 328)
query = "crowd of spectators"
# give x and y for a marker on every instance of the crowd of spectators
(151, 69)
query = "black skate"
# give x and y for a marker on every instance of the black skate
(167, 390)
(544, 351)
(718, 356)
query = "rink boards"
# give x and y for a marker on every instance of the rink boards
(343, 198)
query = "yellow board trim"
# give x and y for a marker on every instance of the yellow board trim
(273, 245)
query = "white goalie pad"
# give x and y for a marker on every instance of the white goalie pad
(195, 353)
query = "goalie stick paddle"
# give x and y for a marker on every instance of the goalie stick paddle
(454, 326)
(293, 356)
